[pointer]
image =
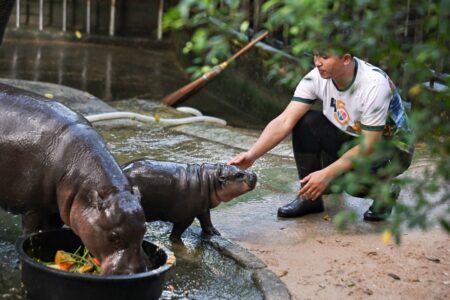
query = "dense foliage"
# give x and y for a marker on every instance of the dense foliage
(408, 39)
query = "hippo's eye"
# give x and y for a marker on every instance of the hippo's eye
(114, 238)
(240, 175)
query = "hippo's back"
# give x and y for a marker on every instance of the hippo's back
(24, 110)
(31, 131)
(158, 179)
(169, 191)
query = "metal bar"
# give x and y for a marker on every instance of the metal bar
(160, 16)
(64, 16)
(88, 16)
(408, 10)
(256, 14)
(112, 18)
(41, 15)
(50, 12)
(18, 13)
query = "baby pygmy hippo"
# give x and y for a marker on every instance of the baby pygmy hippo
(179, 193)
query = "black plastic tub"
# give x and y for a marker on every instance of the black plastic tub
(42, 282)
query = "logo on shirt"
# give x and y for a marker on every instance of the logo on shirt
(340, 113)
(342, 117)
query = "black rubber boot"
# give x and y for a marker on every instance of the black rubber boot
(300, 207)
(306, 163)
(381, 211)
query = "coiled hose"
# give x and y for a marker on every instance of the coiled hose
(149, 119)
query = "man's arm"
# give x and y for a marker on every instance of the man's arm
(315, 183)
(272, 134)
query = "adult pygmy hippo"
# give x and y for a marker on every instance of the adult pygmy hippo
(179, 193)
(55, 168)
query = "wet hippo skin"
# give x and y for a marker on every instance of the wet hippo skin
(55, 169)
(179, 193)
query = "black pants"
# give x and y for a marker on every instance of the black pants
(315, 136)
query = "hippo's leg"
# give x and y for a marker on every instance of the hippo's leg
(33, 221)
(206, 224)
(178, 229)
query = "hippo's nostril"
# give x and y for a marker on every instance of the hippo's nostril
(252, 180)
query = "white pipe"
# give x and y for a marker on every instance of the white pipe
(190, 110)
(147, 119)
(64, 16)
(18, 14)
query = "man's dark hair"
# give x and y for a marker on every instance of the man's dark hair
(338, 36)
(5, 11)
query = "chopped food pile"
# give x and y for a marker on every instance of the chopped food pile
(76, 262)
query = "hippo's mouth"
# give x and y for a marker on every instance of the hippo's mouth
(120, 263)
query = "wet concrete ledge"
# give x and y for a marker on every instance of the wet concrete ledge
(267, 281)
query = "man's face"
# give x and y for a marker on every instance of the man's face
(329, 65)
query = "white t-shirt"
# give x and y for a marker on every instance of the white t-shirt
(371, 102)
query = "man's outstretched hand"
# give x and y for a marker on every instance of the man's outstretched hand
(243, 160)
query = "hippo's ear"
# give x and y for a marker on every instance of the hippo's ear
(95, 200)
(136, 191)
(220, 175)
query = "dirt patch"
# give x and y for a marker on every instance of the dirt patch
(362, 266)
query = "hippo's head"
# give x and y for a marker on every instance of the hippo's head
(230, 182)
(113, 230)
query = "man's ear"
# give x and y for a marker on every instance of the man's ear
(347, 58)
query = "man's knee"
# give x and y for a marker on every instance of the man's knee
(308, 121)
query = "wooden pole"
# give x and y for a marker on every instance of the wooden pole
(183, 93)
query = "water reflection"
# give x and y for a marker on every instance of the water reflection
(117, 72)
(14, 63)
(37, 63)
(108, 72)
(60, 66)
